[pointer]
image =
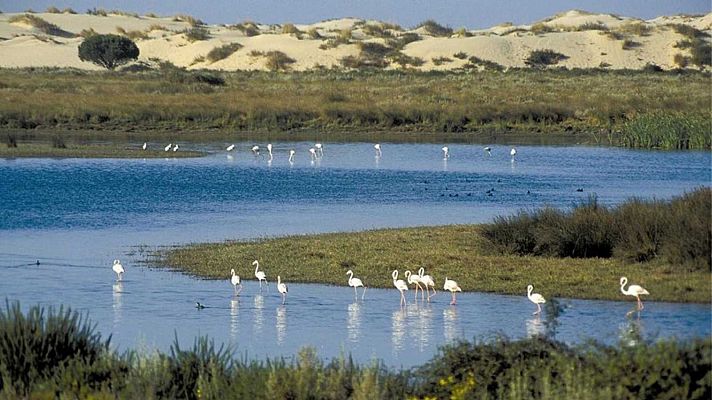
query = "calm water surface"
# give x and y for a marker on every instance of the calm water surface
(76, 216)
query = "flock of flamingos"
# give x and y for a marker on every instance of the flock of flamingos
(427, 282)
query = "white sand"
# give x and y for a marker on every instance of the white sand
(22, 45)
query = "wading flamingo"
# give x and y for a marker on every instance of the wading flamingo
(446, 152)
(235, 280)
(230, 147)
(427, 281)
(256, 150)
(355, 282)
(291, 156)
(119, 269)
(168, 147)
(453, 287)
(282, 288)
(633, 290)
(377, 146)
(400, 285)
(319, 149)
(260, 275)
(414, 279)
(535, 298)
(269, 150)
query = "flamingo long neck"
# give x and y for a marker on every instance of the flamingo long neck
(279, 280)
(351, 275)
(623, 283)
(257, 266)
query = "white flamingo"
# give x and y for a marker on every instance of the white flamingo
(269, 150)
(256, 150)
(168, 147)
(354, 283)
(633, 290)
(230, 147)
(320, 149)
(291, 156)
(175, 147)
(513, 152)
(535, 298)
(488, 150)
(414, 279)
(145, 145)
(400, 285)
(377, 146)
(453, 287)
(119, 269)
(427, 281)
(282, 288)
(312, 152)
(446, 152)
(260, 275)
(235, 280)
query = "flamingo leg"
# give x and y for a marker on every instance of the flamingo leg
(355, 292)
(453, 299)
(240, 290)
(434, 292)
(364, 293)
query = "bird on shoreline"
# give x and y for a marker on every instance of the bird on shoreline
(535, 298)
(319, 149)
(235, 280)
(453, 287)
(256, 150)
(427, 281)
(117, 267)
(175, 148)
(401, 286)
(633, 290)
(291, 156)
(377, 146)
(230, 147)
(168, 147)
(282, 288)
(414, 279)
(446, 152)
(356, 282)
(260, 275)
(144, 145)
(199, 306)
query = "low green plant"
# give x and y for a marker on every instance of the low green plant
(540, 28)
(41, 25)
(543, 58)
(223, 52)
(108, 51)
(460, 55)
(52, 10)
(196, 34)
(441, 60)
(278, 61)
(290, 29)
(434, 29)
(192, 21)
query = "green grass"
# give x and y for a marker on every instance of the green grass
(459, 252)
(89, 151)
(588, 106)
(50, 354)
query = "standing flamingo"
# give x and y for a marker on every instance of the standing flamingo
(633, 290)
(168, 147)
(400, 285)
(230, 147)
(282, 288)
(453, 287)
(144, 145)
(488, 150)
(446, 152)
(355, 282)
(513, 153)
(377, 146)
(269, 150)
(535, 298)
(260, 275)
(291, 156)
(175, 147)
(416, 280)
(427, 281)
(235, 280)
(119, 269)
(319, 149)
(312, 152)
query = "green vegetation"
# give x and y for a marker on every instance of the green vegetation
(700, 48)
(291, 29)
(108, 51)
(460, 252)
(58, 354)
(543, 58)
(668, 131)
(402, 106)
(677, 231)
(223, 52)
(435, 29)
(40, 24)
(196, 34)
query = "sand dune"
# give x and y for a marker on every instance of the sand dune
(587, 40)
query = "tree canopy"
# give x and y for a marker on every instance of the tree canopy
(108, 51)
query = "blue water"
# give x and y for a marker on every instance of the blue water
(76, 216)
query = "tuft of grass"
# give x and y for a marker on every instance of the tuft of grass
(196, 34)
(290, 29)
(540, 28)
(592, 26)
(629, 44)
(636, 28)
(313, 34)
(278, 61)
(460, 55)
(223, 52)
(52, 10)
(544, 58)
(100, 12)
(435, 29)
(40, 24)
(666, 130)
(441, 60)
(193, 22)
(133, 35)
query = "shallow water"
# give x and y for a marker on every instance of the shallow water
(76, 216)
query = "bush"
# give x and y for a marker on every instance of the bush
(460, 55)
(196, 34)
(689, 31)
(434, 29)
(278, 61)
(41, 25)
(629, 44)
(108, 51)
(222, 52)
(636, 28)
(314, 34)
(543, 58)
(194, 22)
(52, 10)
(401, 41)
(290, 29)
(667, 131)
(58, 142)
(441, 60)
(540, 28)
(592, 26)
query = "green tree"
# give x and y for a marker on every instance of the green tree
(108, 51)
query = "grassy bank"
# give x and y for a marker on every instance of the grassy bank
(459, 252)
(593, 106)
(90, 151)
(50, 354)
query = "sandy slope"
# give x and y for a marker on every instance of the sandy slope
(22, 45)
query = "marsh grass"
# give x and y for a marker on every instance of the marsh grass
(460, 252)
(484, 103)
(79, 364)
(46, 149)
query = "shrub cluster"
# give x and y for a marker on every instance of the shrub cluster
(678, 231)
(679, 131)
(197, 33)
(222, 52)
(543, 58)
(435, 29)
(42, 25)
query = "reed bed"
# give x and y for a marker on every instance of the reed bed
(59, 354)
(589, 105)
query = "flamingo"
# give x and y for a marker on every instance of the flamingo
(400, 285)
(355, 282)
(256, 150)
(282, 288)
(119, 269)
(377, 146)
(427, 280)
(453, 287)
(291, 156)
(235, 280)
(260, 275)
(513, 152)
(446, 152)
(416, 280)
(312, 152)
(230, 147)
(175, 147)
(633, 290)
(269, 150)
(320, 149)
(488, 150)
(144, 145)
(168, 147)
(535, 298)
